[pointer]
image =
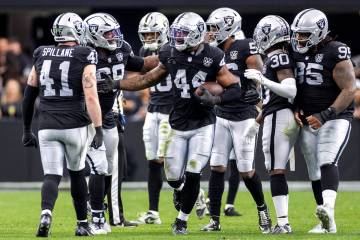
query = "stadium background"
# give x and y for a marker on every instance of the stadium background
(29, 23)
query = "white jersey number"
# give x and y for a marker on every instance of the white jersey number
(309, 73)
(181, 83)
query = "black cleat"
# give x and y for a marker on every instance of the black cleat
(231, 212)
(83, 229)
(264, 220)
(176, 200)
(212, 226)
(179, 227)
(44, 226)
(126, 223)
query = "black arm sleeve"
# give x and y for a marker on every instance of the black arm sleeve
(135, 63)
(28, 102)
(231, 93)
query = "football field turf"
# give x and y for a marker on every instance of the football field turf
(20, 215)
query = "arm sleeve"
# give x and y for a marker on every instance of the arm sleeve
(135, 63)
(231, 93)
(30, 95)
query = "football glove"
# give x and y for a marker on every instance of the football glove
(252, 97)
(98, 138)
(251, 132)
(208, 99)
(105, 86)
(29, 139)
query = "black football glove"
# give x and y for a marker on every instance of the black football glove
(208, 99)
(326, 115)
(29, 139)
(98, 138)
(252, 97)
(106, 85)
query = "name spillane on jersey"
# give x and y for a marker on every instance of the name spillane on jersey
(188, 71)
(235, 58)
(272, 102)
(316, 87)
(161, 95)
(113, 65)
(59, 70)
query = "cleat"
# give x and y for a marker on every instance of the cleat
(207, 202)
(44, 226)
(125, 223)
(150, 217)
(83, 229)
(264, 221)
(200, 205)
(326, 217)
(107, 227)
(179, 227)
(98, 223)
(231, 212)
(318, 229)
(286, 229)
(212, 226)
(176, 200)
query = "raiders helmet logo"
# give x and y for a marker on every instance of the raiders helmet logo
(200, 27)
(321, 23)
(233, 55)
(319, 57)
(207, 62)
(266, 29)
(93, 28)
(229, 20)
(78, 26)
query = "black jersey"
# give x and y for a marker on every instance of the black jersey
(188, 71)
(113, 65)
(272, 102)
(316, 87)
(161, 96)
(235, 58)
(59, 70)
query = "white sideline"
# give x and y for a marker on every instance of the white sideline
(346, 186)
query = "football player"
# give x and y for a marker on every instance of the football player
(115, 56)
(235, 121)
(326, 87)
(280, 131)
(64, 78)
(190, 62)
(153, 33)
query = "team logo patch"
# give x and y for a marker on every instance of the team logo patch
(93, 28)
(78, 26)
(229, 20)
(201, 27)
(233, 55)
(319, 57)
(207, 62)
(266, 29)
(119, 57)
(321, 23)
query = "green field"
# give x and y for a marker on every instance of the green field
(20, 214)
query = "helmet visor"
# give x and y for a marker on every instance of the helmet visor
(114, 37)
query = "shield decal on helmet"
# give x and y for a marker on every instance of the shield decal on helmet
(229, 20)
(266, 29)
(93, 28)
(321, 23)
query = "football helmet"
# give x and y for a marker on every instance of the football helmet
(221, 24)
(68, 27)
(269, 31)
(103, 31)
(311, 22)
(157, 24)
(187, 31)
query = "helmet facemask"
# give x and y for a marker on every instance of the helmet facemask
(114, 39)
(301, 42)
(212, 35)
(179, 38)
(150, 40)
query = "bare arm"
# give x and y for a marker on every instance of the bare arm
(32, 78)
(254, 62)
(150, 62)
(344, 77)
(226, 78)
(91, 95)
(140, 82)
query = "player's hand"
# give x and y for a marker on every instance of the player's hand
(252, 97)
(314, 121)
(207, 98)
(297, 114)
(98, 138)
(251, 132)
(29, 139)
(254, 75)
(105, 86)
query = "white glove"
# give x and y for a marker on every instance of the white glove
(251, 132)
(255, 75)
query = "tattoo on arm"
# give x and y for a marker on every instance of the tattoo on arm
(140, 82)
(32, 78)
(344, 77)
(88, 80)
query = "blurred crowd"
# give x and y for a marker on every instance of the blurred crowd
(15, 65)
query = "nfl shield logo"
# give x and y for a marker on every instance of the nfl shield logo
(266, 29)
(321, 23)
(119, 57)
(207, 62)
(233, 55)
(319, 57)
